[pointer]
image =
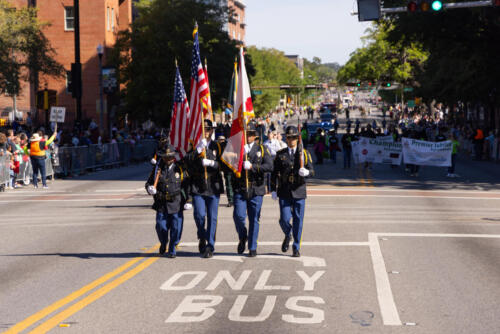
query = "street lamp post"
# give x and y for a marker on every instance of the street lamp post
(100, 51)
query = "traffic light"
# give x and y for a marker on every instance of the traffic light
(386, 84)
(436, 5)
(76, 80)
(358, 84)
(412, 6)
(424, 5)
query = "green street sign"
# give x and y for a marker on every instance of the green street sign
(256, 92)
(408, 89)
(411, 103)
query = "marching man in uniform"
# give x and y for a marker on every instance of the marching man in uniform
(168, 184)
(292, 165)
(206, 188)
(248, 196)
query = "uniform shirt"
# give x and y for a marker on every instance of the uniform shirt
(285, 178)
(262, 163)
(172, 190)
(213, 184)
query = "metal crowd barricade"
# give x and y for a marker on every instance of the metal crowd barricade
(78, 160)
(4, 170)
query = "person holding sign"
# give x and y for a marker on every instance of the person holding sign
(36, 150)
(292, 166)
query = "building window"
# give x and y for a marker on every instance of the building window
(69, 19)
(108, 17)
(112, 19)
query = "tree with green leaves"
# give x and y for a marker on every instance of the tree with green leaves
(272, 69)
(25, 52)
(162, 33)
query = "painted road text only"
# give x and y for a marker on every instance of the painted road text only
(197, 308)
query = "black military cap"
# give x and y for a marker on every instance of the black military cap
(208, 124)
(168, 152)
(291, 131)
(252, 127)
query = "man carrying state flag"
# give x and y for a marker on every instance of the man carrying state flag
(249, 161)
(203, 161)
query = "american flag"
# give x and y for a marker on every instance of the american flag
(180, 117)
(199, 92)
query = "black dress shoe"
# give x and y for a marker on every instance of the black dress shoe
(241, 245)
(296, 253)
(201, 245)
(252, 253)
(171, 256)
(285, 244)
(163, 248)
(208, 253)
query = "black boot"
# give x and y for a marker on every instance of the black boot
(208, 253)
(163, 248)
(252, 253)
(201, 245)
(285, 244)
(296, 253)
(241, 245)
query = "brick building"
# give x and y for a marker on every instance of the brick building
(100, 21)
(236, 25)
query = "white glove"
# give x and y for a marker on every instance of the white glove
(201, 145)
(303, 172)
(274, 195)
(188, 206)
(208, 163)
(151, 190)
(247, 165)
(153, 161)
(247, 148)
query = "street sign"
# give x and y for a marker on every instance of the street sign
(408, 89)
(57, 114)
(411, 103)
(256, 92)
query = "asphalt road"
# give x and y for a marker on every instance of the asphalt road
(382, 252)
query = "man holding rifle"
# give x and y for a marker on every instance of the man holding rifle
(168, 183)
(249, 190)
(292, 166)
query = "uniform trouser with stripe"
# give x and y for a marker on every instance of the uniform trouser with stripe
(291, 208)
(206, 206)
(169, 222)
(252, 206)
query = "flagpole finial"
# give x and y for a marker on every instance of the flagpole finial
(176, 64)
(205, 62)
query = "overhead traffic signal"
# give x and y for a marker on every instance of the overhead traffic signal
(436, 5)
(424, 6)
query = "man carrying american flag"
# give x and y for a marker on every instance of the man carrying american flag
(180, 116)
(204, 160)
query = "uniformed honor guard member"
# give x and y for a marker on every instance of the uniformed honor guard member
(206, 188)
(170, 199)
(288, 184)
(248, 197)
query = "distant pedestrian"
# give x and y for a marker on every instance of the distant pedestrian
(37, 154)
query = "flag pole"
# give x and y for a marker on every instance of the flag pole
(203, 153)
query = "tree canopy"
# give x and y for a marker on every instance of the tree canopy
(451, 55)
(25, 52)
(162, 33)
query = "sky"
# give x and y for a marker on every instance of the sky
(309, 28)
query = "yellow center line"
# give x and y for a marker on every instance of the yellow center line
(74, 295)
(361, 178)
(369, 177)
(58, 318)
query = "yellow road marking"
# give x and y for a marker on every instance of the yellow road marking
(52, 322)
(74, 295)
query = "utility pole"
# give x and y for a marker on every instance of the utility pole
(78, 65)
